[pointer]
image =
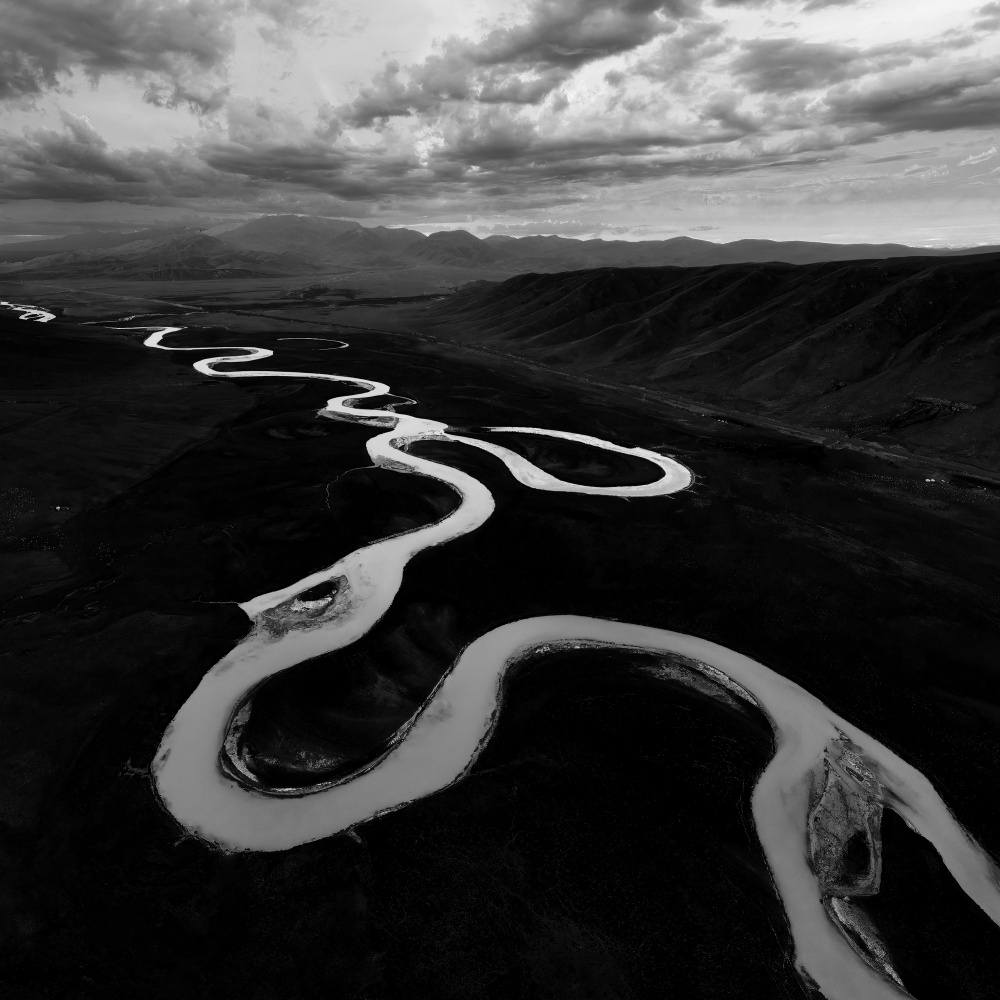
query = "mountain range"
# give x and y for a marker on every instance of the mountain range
(156, 255)
(282, 245)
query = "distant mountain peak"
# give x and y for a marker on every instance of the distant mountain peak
(456, 236)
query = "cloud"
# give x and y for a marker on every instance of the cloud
(490, 169)
(75, 164)
(979, 157)
(948, 98)
(178, 47)
(312, 165)
(78, 148)
(254, 120)
(988, 17)
(810, 6)
(577, 228)
(891, 158)
(489, 159)
(44, 39)
(919, 172)
(682, 51)
(569, 33)
(789, 65)
(814, 5)
(516, 64)
(200, 97)
(527, 116)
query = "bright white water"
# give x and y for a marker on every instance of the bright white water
(29, 312)
(823, 766)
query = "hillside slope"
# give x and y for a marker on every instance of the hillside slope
(904, 351)
(13, 252)
(299, 234)
(189, 255)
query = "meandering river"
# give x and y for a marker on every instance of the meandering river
(825, 787)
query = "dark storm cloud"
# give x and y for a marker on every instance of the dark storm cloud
(78, 149)
(518, 64)
(498, 148)
(495, 161)
(76, 164)
(787, 65)
(960, 99)
(569, 33)
(570, 167)
(173, 42)
(491, 167)
(347, 174)
(43, 39)
(487, 161)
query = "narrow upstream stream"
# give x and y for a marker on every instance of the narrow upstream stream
(823, 791)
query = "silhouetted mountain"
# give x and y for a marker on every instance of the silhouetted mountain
(298, 233)
(686, 251)
(906, 350)
(559, 253)
(324, 241)
(361, 246)
(187, 255)
(398, 237)
(456, 247)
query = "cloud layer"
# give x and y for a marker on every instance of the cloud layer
(549, 105)
(519, 64)
(178, 48)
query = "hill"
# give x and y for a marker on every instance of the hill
(11, 253)
(688, 252)
(459, 247)
(903, 351)
(187, 255)
(297, 233)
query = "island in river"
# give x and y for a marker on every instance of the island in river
(602, 844)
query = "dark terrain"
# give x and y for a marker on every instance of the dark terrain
(603, 847)
(904, 353)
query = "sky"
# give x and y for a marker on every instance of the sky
(834, 120)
